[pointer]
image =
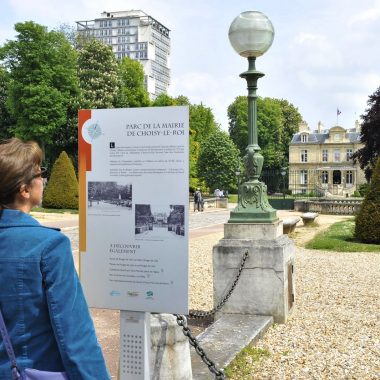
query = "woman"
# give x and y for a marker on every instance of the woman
(41, 298)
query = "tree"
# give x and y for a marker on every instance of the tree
(182, 100)
(164, 100)
(202, 122)
(277, 121)
(370, 135)
(62, 188)
(238, 122)
(69, 32)
(218, 160)
(367, 223)
(270, 125)
(202, 125)
(132, 92)
(193, 162)
(98, 75)
(292, 118)
(43, 81)
(6, 120)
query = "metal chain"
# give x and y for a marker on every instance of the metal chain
(205, 314)
(181, 320)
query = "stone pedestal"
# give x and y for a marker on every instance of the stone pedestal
(266, 285)
(170, 353)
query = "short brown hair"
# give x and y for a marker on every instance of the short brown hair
(18, 163)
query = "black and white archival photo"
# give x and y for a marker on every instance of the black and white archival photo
(109, 198)
(155, 222)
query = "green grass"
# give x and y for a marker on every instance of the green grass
(232, 198)
(54, 210)
(241, 367)
(340, 237)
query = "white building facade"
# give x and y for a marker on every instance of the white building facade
(321, 161)
(136, 35)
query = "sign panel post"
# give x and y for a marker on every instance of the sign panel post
(133, 235)
(134, 345)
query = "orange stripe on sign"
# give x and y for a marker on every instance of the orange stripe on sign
(84, 161)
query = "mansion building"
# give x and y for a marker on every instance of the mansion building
(136, 35)
(321, 161)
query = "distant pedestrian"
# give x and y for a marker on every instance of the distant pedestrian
(198, 200)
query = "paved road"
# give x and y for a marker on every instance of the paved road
(196, 220)
(199, 220)
(200, 223)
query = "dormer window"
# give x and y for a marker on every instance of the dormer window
(304, 138)
(337, 137)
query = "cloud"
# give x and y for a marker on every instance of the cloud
(325, 52)
(370, 14)
(43, 11)
(349, 81)
(315, 51)
(198, 86)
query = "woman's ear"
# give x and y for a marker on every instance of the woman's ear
(24, 192)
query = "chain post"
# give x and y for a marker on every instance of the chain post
(205, 314)
(182, 322)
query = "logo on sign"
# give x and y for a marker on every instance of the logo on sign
(94, 131)
(149, 295)
(132, 294)
(115, 293)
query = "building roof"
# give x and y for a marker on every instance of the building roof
(320, 138)
(317, 138)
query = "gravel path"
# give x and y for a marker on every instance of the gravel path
(334, 332)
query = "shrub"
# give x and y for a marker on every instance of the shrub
(363, 188)
(62, 188)
(367, 224)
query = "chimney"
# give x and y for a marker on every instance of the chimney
(320, 127)
(303, 127)
(358, 127)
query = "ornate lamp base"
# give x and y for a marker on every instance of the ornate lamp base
(253, 206)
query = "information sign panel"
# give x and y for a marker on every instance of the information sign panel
(133, 175)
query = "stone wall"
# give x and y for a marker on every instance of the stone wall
(330, 206)
(212, 203)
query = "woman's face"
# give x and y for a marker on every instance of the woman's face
(36, 188)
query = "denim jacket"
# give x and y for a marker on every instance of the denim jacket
(42, 302)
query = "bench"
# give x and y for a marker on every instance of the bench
(289, 224)
(309, 217)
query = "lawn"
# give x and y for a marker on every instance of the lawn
(340, 237)
(232, 198)
(54, 210)
(241, 367)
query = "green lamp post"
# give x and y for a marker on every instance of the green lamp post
(251, 35)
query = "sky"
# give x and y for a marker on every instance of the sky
(325, 54)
